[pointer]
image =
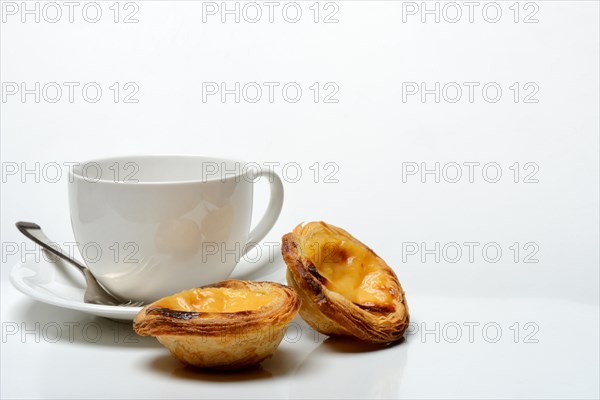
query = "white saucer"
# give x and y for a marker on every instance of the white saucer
(62, 285)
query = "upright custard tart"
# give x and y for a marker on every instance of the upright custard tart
(227, 325)
(346, 289)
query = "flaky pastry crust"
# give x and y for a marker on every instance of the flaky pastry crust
(331, 312)
(221, 340)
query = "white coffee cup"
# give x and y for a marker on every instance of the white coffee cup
(150, 226)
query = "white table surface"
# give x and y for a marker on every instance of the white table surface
(556, 356)
(552, 304)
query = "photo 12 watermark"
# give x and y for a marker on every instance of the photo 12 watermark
(253, 12)
(289, 92)
(56, 12)
(470, 92)
(89, 92)
(126, 252)
(289, 171)
(62, 171)
(474, 331)
(105, 331)
(469, 172)
(453, 12)
(471, 252)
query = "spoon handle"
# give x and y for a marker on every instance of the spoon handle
(35, 233)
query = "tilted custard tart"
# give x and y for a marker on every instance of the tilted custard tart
(227, 325)
(346, 289)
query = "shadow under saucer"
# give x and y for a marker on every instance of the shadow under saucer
(78, 327)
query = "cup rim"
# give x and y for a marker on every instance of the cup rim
(130, 157)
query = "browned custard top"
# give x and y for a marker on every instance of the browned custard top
(216, 300)
(349, 267)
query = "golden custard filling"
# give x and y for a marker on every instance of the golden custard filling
(216, 300)
(348, 266)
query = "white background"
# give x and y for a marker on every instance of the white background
(370, 135)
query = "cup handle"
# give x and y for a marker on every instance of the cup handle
(271, 214)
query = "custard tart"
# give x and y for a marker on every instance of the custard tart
(227, 325)
(346, 289)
